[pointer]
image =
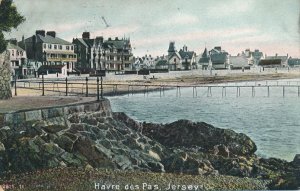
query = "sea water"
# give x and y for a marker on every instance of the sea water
(271, 120)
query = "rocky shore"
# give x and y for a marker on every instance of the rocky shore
(90, 136)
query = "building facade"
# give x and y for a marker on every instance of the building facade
(188, 58)
(219, 58)
(205, 61)
(118, 54)
(18, 59)
(90, 53)
(47, 48)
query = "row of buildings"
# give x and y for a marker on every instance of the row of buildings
(215, 59)
(45, 53)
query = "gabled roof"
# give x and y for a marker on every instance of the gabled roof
(205, 54)
(174, 54)
(186, 54)
(205, 58)
(80, 40)
(13, 46)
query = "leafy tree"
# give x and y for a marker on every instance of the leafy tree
(9, 18)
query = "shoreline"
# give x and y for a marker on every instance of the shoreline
(200, 80)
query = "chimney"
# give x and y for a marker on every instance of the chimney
(51, 33)
(109, 39)
(218, 48)
(86, 35)
(99, 39)
(40, 32)
(116, 38)
(276, 55)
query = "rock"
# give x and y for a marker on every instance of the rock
(221, 150)
(183, 163)
(184, 133)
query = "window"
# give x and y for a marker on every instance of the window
(67, 47)
(71, 47)
(13, 53)
(50, 46)
(45, 46)
(55, 47)
(60, 47)
(21, 53)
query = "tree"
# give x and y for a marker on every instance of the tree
(9, 19)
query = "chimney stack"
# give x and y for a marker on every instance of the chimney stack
(86, 35)
(40, 32)
(51, 33)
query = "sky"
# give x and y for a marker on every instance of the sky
(272, 26)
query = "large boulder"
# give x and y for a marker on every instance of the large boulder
(185, 133)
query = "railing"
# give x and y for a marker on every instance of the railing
(94, 86)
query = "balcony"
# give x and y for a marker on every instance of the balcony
(61, 59)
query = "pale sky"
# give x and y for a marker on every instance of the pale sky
(273, 26)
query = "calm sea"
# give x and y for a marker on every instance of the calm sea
(273, 121)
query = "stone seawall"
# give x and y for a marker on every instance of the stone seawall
(17, 118)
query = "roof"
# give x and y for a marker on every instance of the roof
(257, 54)
(80, 40)
(205, 54)
(238, 61)
(219, 57)
(174, 54)
(48, 39)
(294, 61)
(162, 62)
(118, 44)
(205, 57)
(186, 54)
(283, 58)
(204, 60)
(270, 62)
(13, 46)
